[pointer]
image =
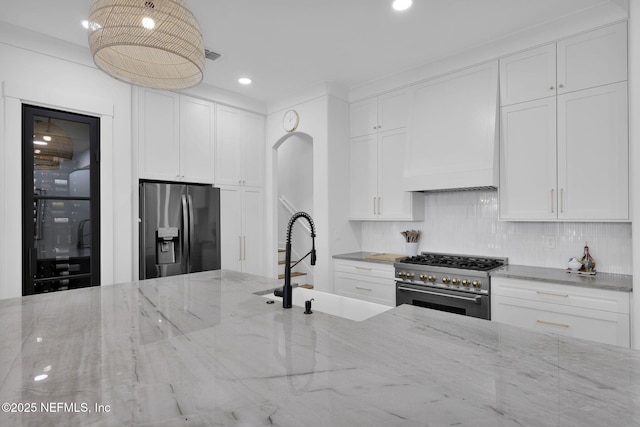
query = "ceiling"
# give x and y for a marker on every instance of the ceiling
(289, 45)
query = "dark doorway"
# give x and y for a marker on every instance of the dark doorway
(60, 200)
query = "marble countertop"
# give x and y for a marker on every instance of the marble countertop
(362, 256)
(202, 349)
(607, 281)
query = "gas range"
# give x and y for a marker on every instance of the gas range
(462, 272)
(448, 282)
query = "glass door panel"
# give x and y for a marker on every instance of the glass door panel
(61, 200)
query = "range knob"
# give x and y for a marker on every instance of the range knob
(455, 281)
(423, 277)
(431, 278)
(477, 284)
(401, 274)
(410, 276)
(466, 282)
(445, 280)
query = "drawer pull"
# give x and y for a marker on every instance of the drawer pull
(363, 289)
(561, 325)
(553, 294)
(363, 268)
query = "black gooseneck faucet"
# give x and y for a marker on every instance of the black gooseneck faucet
(286, 297)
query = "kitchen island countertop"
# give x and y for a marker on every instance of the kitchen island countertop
(203, 349)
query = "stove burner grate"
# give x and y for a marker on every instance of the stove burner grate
(454, 261)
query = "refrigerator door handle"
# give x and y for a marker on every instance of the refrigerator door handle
(185, 233)
(192, 230)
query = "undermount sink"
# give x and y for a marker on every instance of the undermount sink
(335, 305)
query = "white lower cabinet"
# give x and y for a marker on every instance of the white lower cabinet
(369, 281)
(242, 231)
(575, 311)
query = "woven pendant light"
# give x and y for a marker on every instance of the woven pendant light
(156, 44)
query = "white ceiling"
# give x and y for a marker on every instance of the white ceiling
(289, 45)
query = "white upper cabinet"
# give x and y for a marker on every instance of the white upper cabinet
(591, 59)
(197, 136)
(239, 147)
(382, 113)
(376, 164)
(528, 161)
(593, 154)
(566, 162)
(528, 75)
(363, 177)
(158, 135)
(175, 137)
(376, 160)
(566, 156)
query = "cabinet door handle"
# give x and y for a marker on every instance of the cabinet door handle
(379, 210)
(363, 268)
(552, 201)
(562, 200)
(553, 294)
(561, 325)
(363, 289)
(240, 248)
(374, 206)
(560, 85)
(552, 88)
(244, 248)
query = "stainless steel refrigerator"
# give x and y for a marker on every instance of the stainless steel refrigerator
(179, 228)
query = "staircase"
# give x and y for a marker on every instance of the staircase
(281, 263)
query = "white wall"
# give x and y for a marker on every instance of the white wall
(31, 71)
(295, 179)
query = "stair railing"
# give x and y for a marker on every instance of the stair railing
(289, 207)
(292, 210)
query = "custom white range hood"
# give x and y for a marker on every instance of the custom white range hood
(453, 132)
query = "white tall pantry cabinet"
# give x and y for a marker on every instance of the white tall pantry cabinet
(240, 176)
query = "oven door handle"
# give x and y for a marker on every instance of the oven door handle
(475, 300)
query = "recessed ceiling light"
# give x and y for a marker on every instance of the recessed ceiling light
(402, 4)
(244, 80)
(148, 23)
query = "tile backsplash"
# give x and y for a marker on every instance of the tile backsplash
(467, 222)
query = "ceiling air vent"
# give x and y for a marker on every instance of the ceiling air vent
(211, 55)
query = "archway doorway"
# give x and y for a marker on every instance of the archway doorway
(294, 193)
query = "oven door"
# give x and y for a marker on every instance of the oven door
(467, 304)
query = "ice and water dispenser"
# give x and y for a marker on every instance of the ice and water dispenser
(167, 245)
